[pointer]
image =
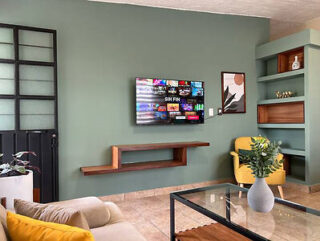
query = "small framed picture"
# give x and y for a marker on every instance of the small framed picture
(233, 85)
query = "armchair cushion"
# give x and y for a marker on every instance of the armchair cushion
(244, 175)
(242, 143)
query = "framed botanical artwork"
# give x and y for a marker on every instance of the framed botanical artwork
(233, 85)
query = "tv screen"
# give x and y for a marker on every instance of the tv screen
(161, 101)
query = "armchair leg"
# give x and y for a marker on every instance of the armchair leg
(281, 191)
(240, 192)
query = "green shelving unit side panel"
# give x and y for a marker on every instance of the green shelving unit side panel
(296, 152)
(279, 101)
(315, 37)
(305, 37)
(312, 86)
(282, 126)
(282, 76)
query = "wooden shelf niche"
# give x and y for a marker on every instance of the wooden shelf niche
(286, 59)
(179, 158)
(281, 113)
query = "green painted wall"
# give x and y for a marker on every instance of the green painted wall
(103, 47)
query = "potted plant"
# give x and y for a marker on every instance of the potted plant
(16, 179)
(262, 160)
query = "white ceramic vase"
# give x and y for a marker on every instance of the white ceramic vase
(260, 197)
(296, 63)
(19, 187)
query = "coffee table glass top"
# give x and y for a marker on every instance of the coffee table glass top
(287, 221)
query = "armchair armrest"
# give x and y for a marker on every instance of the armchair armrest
(236, 161)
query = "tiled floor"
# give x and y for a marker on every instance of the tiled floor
(151, 216)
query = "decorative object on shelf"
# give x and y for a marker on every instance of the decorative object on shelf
(233, 92)
(284, 94)
(262, 160)
(296, 63)
(16, 179)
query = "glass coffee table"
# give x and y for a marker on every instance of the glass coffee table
(287, 221)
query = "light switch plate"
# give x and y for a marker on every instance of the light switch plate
(211, 113)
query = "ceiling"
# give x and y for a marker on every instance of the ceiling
(283, 10)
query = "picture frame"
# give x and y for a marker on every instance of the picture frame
(233, 92)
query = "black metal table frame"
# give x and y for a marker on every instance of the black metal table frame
(224, 221)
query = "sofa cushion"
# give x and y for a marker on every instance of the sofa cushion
(122, 231)
(3, 236)
(28, 229)
(3, 219)
(94, 210)
(51, 213)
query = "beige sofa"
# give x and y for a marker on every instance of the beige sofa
(105, 220)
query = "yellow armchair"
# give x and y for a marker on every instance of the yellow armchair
(243, 173)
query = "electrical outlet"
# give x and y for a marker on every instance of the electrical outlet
(211, 112)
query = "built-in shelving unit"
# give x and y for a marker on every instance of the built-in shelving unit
(292, 120)
(179, 158)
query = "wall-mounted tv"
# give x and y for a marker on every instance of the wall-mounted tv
(162, 101)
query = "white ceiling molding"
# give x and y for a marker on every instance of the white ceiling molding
(281, 10)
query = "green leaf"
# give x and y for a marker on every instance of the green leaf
(20, 169)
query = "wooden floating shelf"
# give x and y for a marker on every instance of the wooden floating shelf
(282, 76)
(283, 100)
(179, 158)
(291, 151)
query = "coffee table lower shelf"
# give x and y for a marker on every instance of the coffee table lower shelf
(212, 232)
